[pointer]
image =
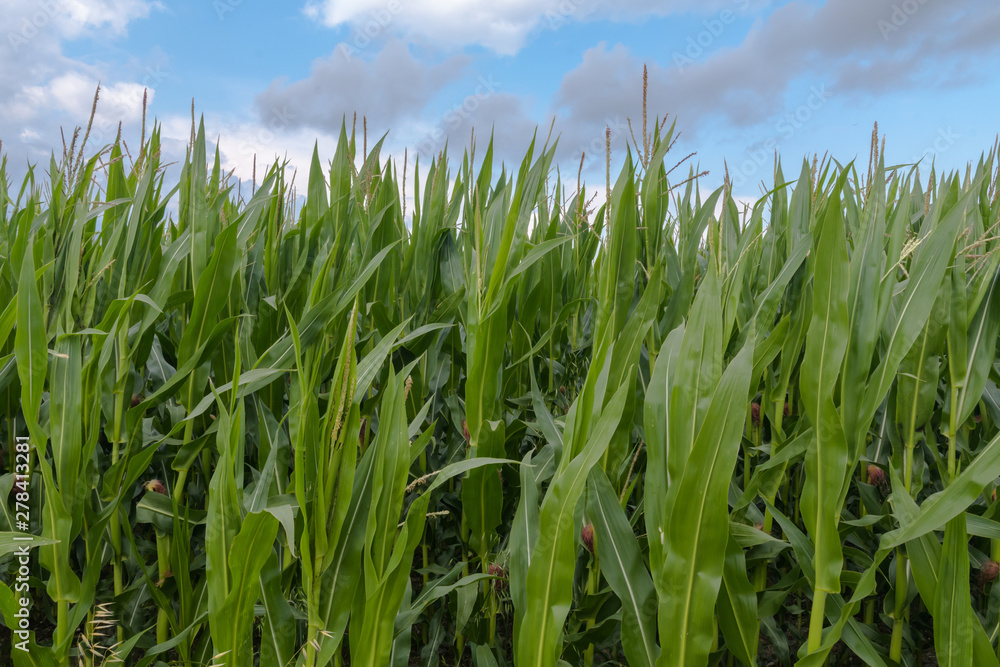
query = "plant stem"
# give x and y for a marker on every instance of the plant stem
(593, 585)
(176, 498)
(896, 642)
(493, 614)
(423, 539)
(162, 565)
(62, 612)
(816, 618)
(951, 434)
(115, 527)
(779, 413)
(459, 636)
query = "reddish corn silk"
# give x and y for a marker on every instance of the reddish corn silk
(878, 478)
(156, 486)
(500, 584)
(587, 535)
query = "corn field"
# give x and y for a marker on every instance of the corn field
(303, 425)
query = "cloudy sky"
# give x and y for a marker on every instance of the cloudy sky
(742, 78)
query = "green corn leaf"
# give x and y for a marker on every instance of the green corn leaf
(953, 615)
(211, 295)
(924, 553)
(550, 574)
(943, 506)
(30, 345)
(980, 346)
(656, 419)
(826, 460)
(622, 564)
(737, 606)
(696, 531)
(250, 550)
(12, 542)
(927, 273)
(696, 375)
(523, 538)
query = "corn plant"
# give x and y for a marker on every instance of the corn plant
(298, 424)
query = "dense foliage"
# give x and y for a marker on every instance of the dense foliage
(505, 428)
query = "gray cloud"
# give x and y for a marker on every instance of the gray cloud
(856, 48)
(393, 85)
(780, 73)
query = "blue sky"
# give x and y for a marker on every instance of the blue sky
(742, 78)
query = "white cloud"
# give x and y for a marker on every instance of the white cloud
(115, 14)
(502, 26)
(54, 20)
(42, 89)
(71, 95)
(243, 144)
